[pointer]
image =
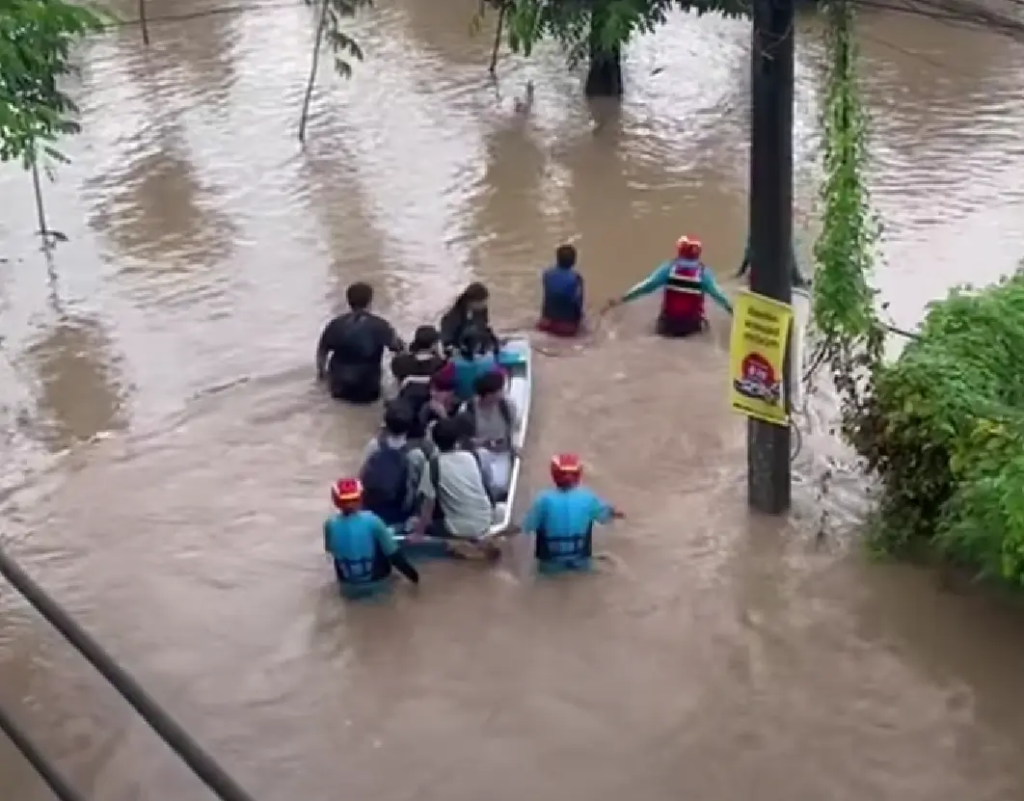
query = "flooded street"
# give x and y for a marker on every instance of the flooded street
(167, 455)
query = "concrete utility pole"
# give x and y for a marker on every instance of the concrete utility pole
(771, 223)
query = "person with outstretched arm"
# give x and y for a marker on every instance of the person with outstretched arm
(362, 547)
(563, 518)
(685, 281)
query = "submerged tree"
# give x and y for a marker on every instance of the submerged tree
(330, 32)
(595, 31)
(36, 39)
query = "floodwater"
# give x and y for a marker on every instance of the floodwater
(167, 456)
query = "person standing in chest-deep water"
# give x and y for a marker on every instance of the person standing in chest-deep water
(563, 518)
(468, 314)
(351, 348)
(562, 305)
(685, 282)
(362, 548)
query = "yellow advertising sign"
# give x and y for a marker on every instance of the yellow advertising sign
(757, 354)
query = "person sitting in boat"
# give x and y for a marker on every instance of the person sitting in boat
(456, 491)
(563, 518)
(797, 278)
(391, 468)
(476, 357)
(685, 282)
(469, 312)
(351, 346)
(489, 422)
(413, 372)
(361, 546)
(562, 305)
(443, 403)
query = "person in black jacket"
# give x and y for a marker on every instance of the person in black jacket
(351, 347)
(413, 371)
(469, 315)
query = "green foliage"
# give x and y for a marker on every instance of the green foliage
(942, 428)
(343, 46)
(36, 40)
(588, 27)
(849, 335)
(944, 431)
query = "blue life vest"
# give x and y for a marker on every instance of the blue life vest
(358, 557)
(565, 534)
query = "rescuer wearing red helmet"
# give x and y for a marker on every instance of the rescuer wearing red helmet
(684, 281)
(563, 518)
(362, 547)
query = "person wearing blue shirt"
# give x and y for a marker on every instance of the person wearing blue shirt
(361, 545)
(685, 282)
(563, 518)
(562, 304)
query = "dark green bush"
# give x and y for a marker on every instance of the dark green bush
(943, 430)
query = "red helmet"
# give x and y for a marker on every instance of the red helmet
(347, 493)
(689, 248)
(566, 470)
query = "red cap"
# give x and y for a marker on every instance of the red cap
(689, 247)
(346, 492)
(566, 469)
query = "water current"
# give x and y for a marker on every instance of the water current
(166, 454)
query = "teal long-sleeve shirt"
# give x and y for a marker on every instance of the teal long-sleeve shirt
(659, 278)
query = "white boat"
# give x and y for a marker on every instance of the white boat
(517, 359)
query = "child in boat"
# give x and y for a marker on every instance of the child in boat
(413, 372)
(443, 403)
(362, 547)
(475, 357)
(469, 312)
(563, 518)
(489, 424)
(562, 305)
(391, 468)
(457, 497)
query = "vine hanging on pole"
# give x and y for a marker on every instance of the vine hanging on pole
(850, 335)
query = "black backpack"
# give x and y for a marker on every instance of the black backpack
(385, 478)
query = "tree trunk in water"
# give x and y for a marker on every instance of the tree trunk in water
(604, 78)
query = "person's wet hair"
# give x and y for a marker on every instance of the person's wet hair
(474, 293)
(397, 418)
(359, 296)
(489, 383)
(565, 256)
(446, 434)
(425, 338)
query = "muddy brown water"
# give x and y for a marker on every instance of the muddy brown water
(166, 454)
